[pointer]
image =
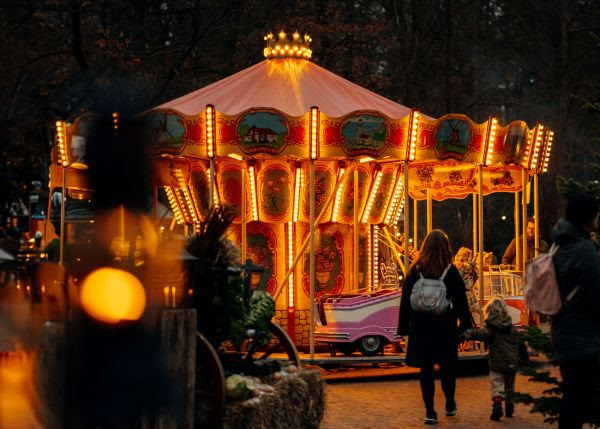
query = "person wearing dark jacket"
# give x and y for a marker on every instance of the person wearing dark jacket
(510, 254)
(502, 339)
(433, 339)
(576, 328)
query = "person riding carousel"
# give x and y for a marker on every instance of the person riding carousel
(467, 267)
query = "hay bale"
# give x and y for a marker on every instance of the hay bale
(298, 402)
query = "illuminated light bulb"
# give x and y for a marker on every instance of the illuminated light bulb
(290, 263)
(253, 193)
(297, 187)
(375, 255)
(338, 197)
(111, 295)
(371, 197)
(281, 35)
(296, 36)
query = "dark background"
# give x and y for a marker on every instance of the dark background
(534, 60)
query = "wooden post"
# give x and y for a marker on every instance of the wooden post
(178, 348)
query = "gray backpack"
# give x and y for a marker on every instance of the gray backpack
(429, 295)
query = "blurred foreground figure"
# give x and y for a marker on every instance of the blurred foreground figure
(114, 374)
(576, 328)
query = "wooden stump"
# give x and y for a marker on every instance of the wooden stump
(178, 347)
(49, 374)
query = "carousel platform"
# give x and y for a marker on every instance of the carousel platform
(356, 367)
(387, 358)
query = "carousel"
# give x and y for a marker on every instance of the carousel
(321, 174)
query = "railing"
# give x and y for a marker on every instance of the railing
(501, 281)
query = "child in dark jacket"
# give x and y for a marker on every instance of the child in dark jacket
(502, 339)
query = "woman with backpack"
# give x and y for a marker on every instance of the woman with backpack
(433, 301)
(576, 327)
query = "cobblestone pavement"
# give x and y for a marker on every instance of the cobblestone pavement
(398, 404)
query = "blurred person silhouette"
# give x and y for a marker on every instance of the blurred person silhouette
(433, 338)
(116, 376)
(576, 328)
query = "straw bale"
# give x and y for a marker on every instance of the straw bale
(298, 402)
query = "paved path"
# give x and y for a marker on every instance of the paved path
(398, 404)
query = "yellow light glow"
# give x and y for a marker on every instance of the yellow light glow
(284, 47)
(210, 130)
(338, 197)
(526, 152)
(549, 139)
(399, 210)
(115, 116)
(253, 192)
(491, 139)
(174, 205)
(112, 295)
(414, 128)
(61, 138)
(372, 197)
(314, 131)
(365, 159)
(235, 156)
(290, 262)
(394, 202)
(297, 187)
(538, 142)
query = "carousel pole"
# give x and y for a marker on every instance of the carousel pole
(211, 191)
(536, 213)
(62, 217)
(415, 223)
(243, 218)
(407, 220)
(429, 212)
(524, 218)
(480, 235)
(474, 224)
(300, 251)
(311, 189)
(517, 235)
(47, 224)
(314, 147)
(356, 232)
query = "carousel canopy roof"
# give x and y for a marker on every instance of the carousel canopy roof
(290, 85)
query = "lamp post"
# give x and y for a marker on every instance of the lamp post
(78, 166)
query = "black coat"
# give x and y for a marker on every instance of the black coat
(434, 339)
(576, 328)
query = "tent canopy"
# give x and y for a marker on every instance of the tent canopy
(290, 85)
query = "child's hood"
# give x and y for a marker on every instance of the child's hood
(499, 321)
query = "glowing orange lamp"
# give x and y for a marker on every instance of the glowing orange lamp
(111, 295)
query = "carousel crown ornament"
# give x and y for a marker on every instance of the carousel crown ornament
(287, 45)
